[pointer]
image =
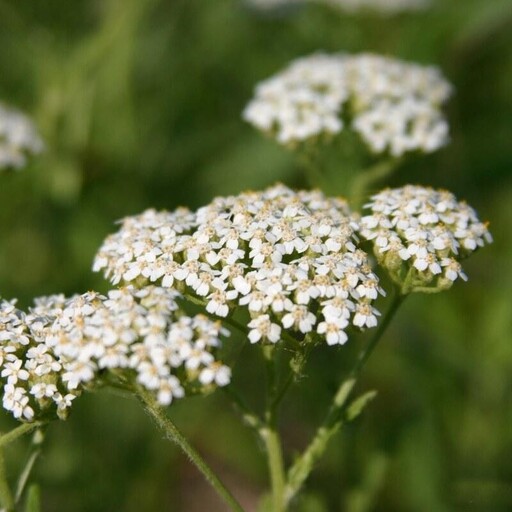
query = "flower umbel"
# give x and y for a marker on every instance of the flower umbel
(289, 259)
(420, 235)
(65, 346)
(394, 106)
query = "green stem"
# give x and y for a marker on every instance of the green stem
(383, 325)
(272, 441)
(269, 433)
(364, 180)
(6, 497)
(24, 428)
(297, 364)
(302, 468)
(310, 162)
(35, 451)
(173, 434)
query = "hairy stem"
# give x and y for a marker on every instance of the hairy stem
(13, 434)
(173, 434)
(302, 468)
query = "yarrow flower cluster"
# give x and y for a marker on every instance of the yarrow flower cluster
(18, 138)
(420, 235)
(63, 346)
(386, 7)
(287, 258)
(394, 106)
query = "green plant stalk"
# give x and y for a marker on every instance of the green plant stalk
(303, 466)
(363, 181)
(35, 451)
(310, 163)
(6, 497)
(173, 434)
(13, 434)
(271, 439)
(269, 433)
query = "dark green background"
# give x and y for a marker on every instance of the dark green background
(139, 103)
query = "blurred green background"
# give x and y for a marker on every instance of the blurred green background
(139, 103)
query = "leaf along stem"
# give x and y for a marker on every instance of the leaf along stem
(303, 466)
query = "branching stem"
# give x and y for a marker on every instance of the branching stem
(173, 434)
(302, 468)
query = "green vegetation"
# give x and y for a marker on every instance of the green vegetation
(139, 103)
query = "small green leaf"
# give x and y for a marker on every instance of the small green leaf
(358, 405)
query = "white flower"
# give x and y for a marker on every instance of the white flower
(168, 389)
(333, 329)
(78, 373)
(63, 402)
(393, 105)
(72, 344)
(13, 371)
(18, 139)
(365, 316)
(431, 232)
(453, 269)
(300, 318)
(263, 328)
(220, 374)
(278, 254)
(15, 400)
(43, 390)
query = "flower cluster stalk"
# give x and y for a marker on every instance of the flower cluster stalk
(270, 434)
(335, 418)
(173, 434)
(35, 452)
(7, 499)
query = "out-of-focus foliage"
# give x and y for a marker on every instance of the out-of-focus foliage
(139, 104)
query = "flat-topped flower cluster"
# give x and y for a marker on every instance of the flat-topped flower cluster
(281, 264)
(62, 346)
(287, 258)
(420, 235)
(394, 106)
(18, 139)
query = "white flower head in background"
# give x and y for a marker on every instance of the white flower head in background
(289, 259)
(62, 347)
(420, 235)
(18, 139)
(394, 106)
